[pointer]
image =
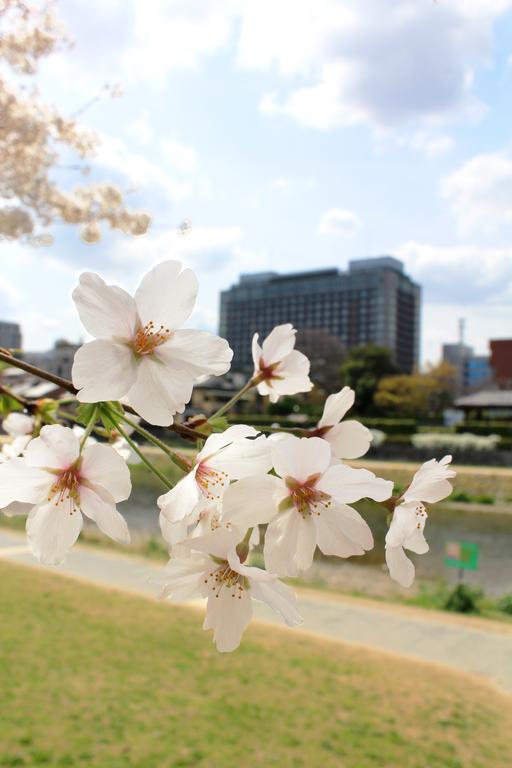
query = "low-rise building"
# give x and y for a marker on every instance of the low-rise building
(58, 360)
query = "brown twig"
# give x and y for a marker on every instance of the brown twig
(180, 429)
(21, 400)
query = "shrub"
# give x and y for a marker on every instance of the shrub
(464, 599)
(392, 426)
(460, 496)
(502, 428)
(485, 498)
(459, 442)
(505, 604)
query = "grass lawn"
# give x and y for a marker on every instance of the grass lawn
(102, 680)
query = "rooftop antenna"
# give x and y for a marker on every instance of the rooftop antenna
(462, 330)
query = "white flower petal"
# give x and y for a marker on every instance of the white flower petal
(197, 352)
(336, 406)
(416, 542)
(243, 458)
(347, 484)
(349, 440)
(280, 598)
(52, 529)
(300, 457)
(106, 311)
(17, 424)
(257, 353)
(102, 465)
(402, 524)
(279, 343)
(293, 375)
(252, 500)
(181, 501)
(175, 533)
(17, 447)
(101, 508)
(290, 544)
(400, 567)
(19, 482)
(218, 543)
(57, 447)
(228, 617)
(182, 577)
(430, 483)
(220, 440)
(166, 295)
(103, 370)
(249, 571)
(341, 531)
(159, 392)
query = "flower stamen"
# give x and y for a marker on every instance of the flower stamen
(148, 338)
(306, 498)
(66, 489)
(225, 578)
(211, 481)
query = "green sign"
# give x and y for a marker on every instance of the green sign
(462, 555)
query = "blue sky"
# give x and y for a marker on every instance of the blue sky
(292, 135)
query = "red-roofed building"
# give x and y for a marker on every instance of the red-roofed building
(501, 362)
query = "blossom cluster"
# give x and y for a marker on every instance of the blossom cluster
(34, 137)
(288, 494)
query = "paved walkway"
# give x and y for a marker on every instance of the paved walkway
(474, 646)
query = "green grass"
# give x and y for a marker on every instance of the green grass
(96, 679)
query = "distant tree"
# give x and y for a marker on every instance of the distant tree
(362, 370)
(420, 395)
(37, 142)
(326, 353)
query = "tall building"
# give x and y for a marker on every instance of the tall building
(10, 335)
(374, 301)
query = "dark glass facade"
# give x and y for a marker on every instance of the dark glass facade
(372, 302)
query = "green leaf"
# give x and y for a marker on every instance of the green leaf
(8, 405)
(219, 423)
(84, 412)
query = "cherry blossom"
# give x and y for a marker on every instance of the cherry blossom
(35, 140)
(306, 505)
(59, 483)
(19, 427)
(349, 439)
(430, 484)
(215, 570)
(238, 452)
(280, 369)
(139, 352)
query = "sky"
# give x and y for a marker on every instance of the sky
(292, 134)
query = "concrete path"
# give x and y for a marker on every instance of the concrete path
(470, 645)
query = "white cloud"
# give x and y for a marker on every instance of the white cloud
(430, 145)
(281, 183)
(140, 130)
(377, 61)
(137, 170)
(339, 221)
(465, 274)
(204, 248)
(172, 35)
(179, 156)
(480, 192)
(461, 281)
